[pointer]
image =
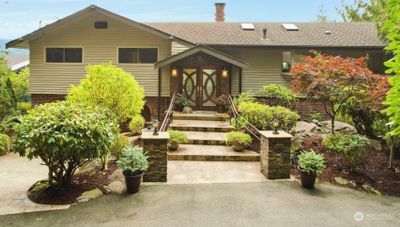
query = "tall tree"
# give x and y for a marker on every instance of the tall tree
(321, 16)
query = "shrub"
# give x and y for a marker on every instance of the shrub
(238, 137)
(311, 162)
(117, 148)
(350, 146)
(262, 116)
(24, 107)
(110, 87)
(133, 161)
(244, 97)
(176, 137)
(277, 95)
(182, 101)
(4, 144)
(137, 124)
(64, 136)
(238, 123)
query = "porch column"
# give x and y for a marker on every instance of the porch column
(240, 80)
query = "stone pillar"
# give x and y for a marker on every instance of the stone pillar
(275, 155)
(156, 149)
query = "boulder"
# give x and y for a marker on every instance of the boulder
(375, 144)
(343, 182)
(116, 187)
(117, 176)
(91, 194)
(303, 126)
(340, 126)
(368, 188)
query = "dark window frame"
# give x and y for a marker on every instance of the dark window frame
(139, 58)
(64, 59)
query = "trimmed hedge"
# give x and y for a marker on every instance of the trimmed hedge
(262, 116)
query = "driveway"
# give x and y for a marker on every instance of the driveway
(269, 203)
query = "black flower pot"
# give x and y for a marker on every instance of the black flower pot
(133, 182)
(308, 180)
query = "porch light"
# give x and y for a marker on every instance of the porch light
(225, 73)
(174, 72)
(275, 125)
(155, 125)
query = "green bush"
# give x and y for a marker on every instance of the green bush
(137, 124)
(176, 137)
(4, 144)
(238, 123)
(133, 161)
(244, 97)
(110, 87)
(311, 162)
(350, 146)
(181, 101)
(24, 107)
(238, 137)
(118, 147)
(262, 116)
(277, 95)
(64, 136)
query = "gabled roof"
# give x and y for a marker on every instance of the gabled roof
(23, 42)
(204, 49)
(358, 35)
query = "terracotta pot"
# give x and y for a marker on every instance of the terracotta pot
(133, 182)
(308, 180)
(173, 146)
(237, 146)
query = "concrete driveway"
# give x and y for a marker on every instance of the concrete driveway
(239, 204)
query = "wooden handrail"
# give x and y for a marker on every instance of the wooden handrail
(168, 115)
(236, 114)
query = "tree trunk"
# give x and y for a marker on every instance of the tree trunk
(333, 124)
(104, 162)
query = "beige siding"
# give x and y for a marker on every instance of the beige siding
(177, 48)
(99, 46)
(264, 67)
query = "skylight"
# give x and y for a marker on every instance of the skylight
(290, 27)
(248, 26)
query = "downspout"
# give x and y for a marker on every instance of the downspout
(240, 80)
(159, 94)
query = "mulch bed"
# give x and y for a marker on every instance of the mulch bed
(373, 168)
(81, 183)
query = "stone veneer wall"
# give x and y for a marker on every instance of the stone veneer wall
(156, 149)
(275, 155)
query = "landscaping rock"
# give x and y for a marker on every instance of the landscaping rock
(116, 187)
(368, 188)
(375, 144)
(340, 126)
(86, 196)
(343, 182)
(117, 176)
(303, 126)
(90, 167)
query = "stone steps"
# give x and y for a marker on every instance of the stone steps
(206, 138)
(201, 126)
(201, 116)
(189, 152)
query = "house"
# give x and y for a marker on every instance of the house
(202, 60)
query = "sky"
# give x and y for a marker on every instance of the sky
(19, 17)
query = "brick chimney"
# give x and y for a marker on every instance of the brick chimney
(219, 12)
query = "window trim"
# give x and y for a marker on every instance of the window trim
(138, 47)
(63, 63)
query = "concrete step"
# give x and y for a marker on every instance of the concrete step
(201, 116)
(201, 126)
(189, 152)
(206, 138)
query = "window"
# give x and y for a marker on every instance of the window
(137, 55)
(100, 24)
(286, 61)
(64, 55)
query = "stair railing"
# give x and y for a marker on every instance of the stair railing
(248, 127)
(167, 119)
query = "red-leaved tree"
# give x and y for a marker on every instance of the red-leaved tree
(338, 82)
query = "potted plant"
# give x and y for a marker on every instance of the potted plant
(176, 138)
(133, 164)
(222, 103)
(180, 102)
(310, 164)
(238, 140)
